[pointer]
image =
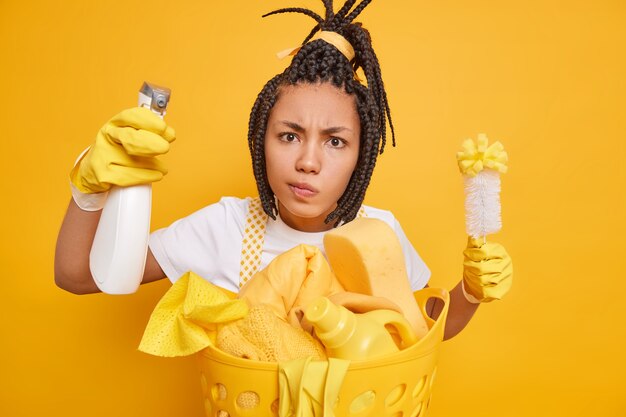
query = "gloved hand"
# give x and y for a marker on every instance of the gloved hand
(487, 271)
(124, 152)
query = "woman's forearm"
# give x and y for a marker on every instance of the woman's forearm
(71, 260)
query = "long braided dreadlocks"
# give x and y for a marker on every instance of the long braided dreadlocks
(318, 61)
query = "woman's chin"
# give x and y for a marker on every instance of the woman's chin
(309, 217)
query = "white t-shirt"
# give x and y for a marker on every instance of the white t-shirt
(209, 242)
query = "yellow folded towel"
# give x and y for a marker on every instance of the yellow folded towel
(188, 316)
(264, 337)
(291, 281)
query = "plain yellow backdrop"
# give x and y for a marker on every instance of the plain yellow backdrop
(547, 78)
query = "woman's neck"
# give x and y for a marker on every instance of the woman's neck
(304, 224)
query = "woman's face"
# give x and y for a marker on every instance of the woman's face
(311, 150)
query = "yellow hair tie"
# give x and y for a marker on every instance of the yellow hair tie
(476, 156)
(332, 38)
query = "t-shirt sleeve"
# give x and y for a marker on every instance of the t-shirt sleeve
(418, 272)
(207, 242)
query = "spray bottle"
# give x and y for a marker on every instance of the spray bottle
(118, 254)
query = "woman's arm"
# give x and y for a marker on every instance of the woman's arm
(71, 260)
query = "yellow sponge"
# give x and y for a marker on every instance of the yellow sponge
(366, 257)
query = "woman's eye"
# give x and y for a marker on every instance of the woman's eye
(336, 143)
(288, 137)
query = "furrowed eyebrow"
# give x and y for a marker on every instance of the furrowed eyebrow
(327, 131)
(292, 125)
(336, 129)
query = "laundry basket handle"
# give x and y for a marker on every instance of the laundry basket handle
(421, 298)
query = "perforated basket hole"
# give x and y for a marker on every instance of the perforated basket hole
(204, 384)
(432, 377)
(208, 408)
(395, 395)
(274, 406)
(219, 392)
(417, 411)
(419, 387)
(248, 400)
(362, 402)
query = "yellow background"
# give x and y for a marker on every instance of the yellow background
(544, 77)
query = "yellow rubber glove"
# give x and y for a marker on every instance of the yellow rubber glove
(124, 152)
(487, 271)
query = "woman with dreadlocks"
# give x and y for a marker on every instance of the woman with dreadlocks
(315, 132)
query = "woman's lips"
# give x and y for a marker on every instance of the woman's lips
(302, 190)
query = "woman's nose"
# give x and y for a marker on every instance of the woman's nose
(309, 159)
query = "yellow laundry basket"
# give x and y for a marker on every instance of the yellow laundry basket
(394, 385)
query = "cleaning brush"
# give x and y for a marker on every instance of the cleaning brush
(481, 165)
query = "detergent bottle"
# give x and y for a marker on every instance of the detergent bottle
(351, 336)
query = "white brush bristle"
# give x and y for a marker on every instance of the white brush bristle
(482, 203)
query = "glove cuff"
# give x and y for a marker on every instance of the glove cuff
(469, 297)
(88, 202)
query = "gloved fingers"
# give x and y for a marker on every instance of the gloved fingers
(487, 270)
(138, 142)
(144, 119)
(503, 281)
(491, 276)
(488, 280)
(127, 176)
(473, 242)
(131, 161)
(488, 291)
(493, 266)
(497, 292)
(488, 251)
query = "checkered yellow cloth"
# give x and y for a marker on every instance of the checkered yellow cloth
(253, 239)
